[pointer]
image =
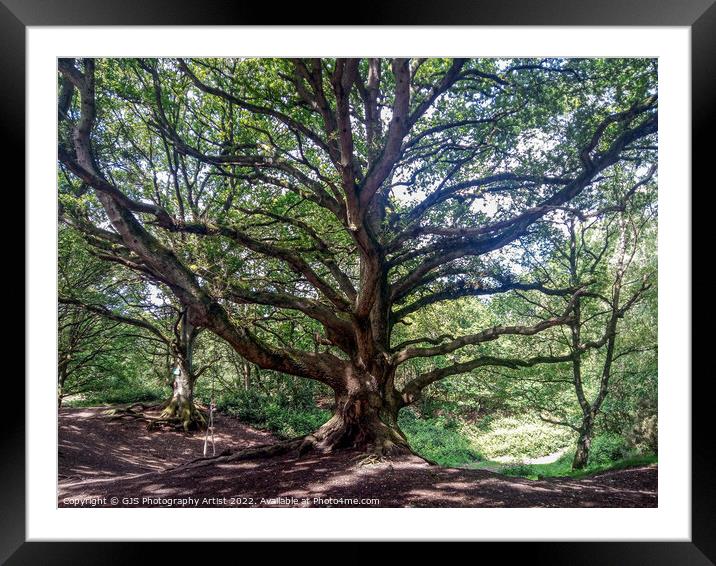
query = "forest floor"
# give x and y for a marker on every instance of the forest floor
(100, 459)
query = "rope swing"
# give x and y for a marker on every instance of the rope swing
(210, 424)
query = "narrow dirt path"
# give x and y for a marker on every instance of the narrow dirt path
(100, 460)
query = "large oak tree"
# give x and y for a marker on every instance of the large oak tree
(343, 196)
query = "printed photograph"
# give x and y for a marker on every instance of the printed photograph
(366, 283)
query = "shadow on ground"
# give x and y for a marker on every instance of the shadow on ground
(102, 459)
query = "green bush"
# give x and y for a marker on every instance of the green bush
(608, 448)
(438, 439)
(643, 435)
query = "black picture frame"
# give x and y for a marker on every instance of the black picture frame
(699, 15)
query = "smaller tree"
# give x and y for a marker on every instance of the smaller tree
(616, 304)
(133, 303)
(605, 253)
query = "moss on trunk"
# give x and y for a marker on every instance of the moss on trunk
(182, 411)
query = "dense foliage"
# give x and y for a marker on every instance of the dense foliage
(454, 256)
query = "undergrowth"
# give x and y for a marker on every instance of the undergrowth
(438, 439)
(284, 415)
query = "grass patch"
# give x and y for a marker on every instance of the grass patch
(117, 396)
(563, 467)
(517, 438)
(450, 442)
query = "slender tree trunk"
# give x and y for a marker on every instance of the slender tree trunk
(62, 379)
(584, 442)
(61, 388)
(247, 376)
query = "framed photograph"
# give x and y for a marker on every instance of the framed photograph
(424, 277)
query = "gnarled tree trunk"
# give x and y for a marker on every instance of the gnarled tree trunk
(181, 408)
(365, 418)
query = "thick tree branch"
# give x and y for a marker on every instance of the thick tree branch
(484, 336)
(457, 291)
(202, 309)
(413, 388)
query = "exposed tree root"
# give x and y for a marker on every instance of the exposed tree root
(175, 415)
(261, 451)
(144, 406)
(134, 410)
(300, 446)
(368, 459)
(374, 444)
(375, 440)
(178, 424)
(125, 413)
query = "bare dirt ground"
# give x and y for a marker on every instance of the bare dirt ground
(101, 459)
